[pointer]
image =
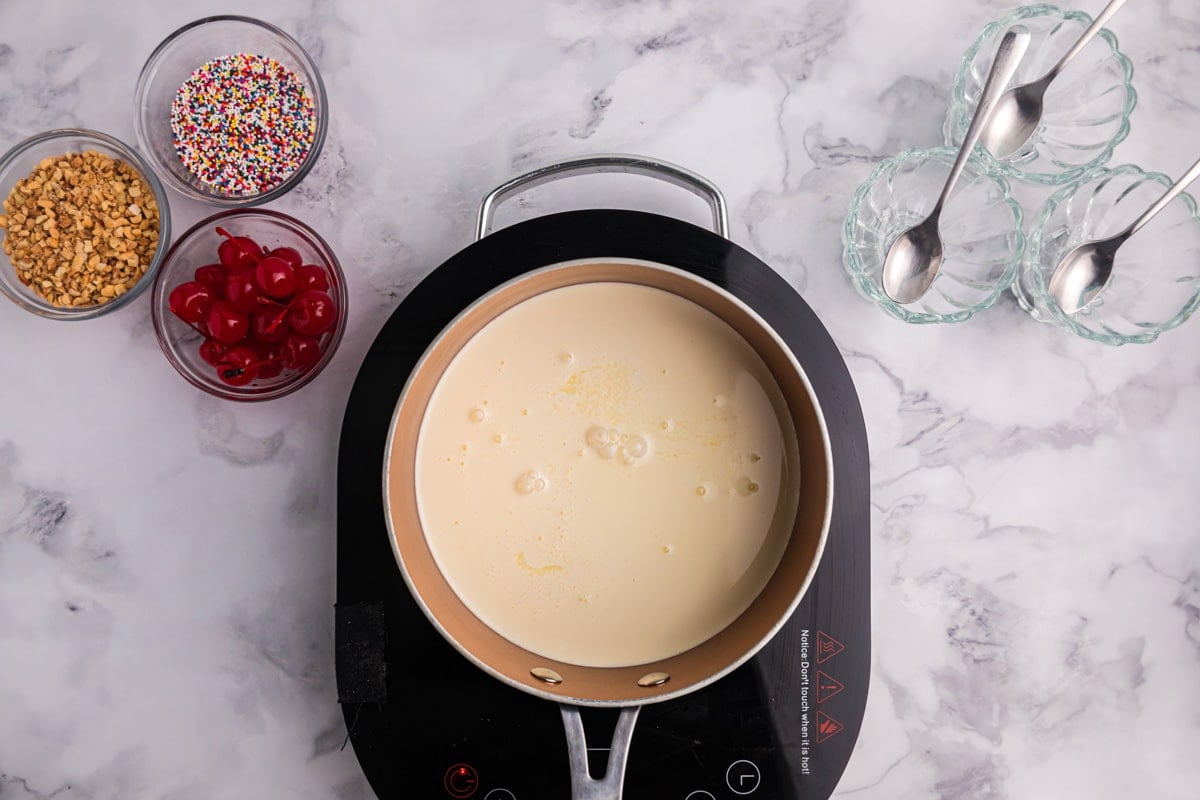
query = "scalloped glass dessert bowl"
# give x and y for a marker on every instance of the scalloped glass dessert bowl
(1086, 109)
(1155, 283)
(174, 60)
(22, 159)
(980, 229)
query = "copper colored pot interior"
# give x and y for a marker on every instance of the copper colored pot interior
(602, 685)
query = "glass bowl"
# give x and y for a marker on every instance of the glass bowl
(181, 342)
(1155, 282)
(980, 228)
(19, 162)
(1086, 108)
(174, 61)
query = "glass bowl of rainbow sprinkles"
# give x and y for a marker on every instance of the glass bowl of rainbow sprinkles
(231, 111)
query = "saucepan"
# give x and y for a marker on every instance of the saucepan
(626, 687)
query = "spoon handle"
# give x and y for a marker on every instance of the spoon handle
(1098, 23)
(1008, 57)
(1161, 203)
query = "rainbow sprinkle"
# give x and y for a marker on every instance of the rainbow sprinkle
(243, 124)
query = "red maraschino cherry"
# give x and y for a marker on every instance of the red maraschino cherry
(289, 254)
(276, 277)
(270, 359)
(312, 312)
(212, 276)
(226, 324)
(191, 301)
(310, 276)
(300, 352)
(268, 326)
(243, 291)
(238, 366)
(211, 351)
(238, 251)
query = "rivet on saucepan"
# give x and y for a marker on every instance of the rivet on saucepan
(546, 675)
(653, 679)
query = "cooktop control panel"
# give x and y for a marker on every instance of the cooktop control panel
(751, 735)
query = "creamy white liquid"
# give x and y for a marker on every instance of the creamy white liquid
(606, 474)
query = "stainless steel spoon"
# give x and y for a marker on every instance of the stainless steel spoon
(915, 256)
(1082, 274)
(1019, 111)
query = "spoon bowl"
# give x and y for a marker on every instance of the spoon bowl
(915, 258)
(1018, 114)
(1082, 275)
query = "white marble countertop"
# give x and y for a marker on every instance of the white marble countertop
(166, 559)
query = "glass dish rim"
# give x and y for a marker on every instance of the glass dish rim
(321, 107)
(958, 91)
(853, 262)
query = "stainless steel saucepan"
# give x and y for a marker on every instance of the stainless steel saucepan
(628, 688)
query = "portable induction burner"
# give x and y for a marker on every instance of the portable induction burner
(426, 723)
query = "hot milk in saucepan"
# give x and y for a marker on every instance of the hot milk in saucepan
(606, 474)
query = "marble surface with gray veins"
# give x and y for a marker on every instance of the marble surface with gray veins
(167, 559)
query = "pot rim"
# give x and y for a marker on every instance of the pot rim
(826, 516)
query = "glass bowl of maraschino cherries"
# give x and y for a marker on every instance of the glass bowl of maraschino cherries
(249, 304)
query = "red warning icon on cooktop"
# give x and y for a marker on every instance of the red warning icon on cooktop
(827, 727)
(827, 686)
(827, 647)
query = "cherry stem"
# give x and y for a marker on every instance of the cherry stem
(196, 328)
(233, 372)
(256, 256)
(279, 318)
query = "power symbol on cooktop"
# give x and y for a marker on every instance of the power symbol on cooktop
(461, 781)
(743, 776)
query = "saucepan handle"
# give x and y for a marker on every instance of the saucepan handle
(589, 165)
(583, 785)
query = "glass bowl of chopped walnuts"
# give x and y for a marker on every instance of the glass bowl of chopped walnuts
(84, 225)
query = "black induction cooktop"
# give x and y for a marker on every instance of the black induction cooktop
(425, 723)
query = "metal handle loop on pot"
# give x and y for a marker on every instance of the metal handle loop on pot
(609, 162)
(583, 785)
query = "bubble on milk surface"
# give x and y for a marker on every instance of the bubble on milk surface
(747, 486)
(635, 446)
(597, 437)
(611, 443)
(531, 481)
